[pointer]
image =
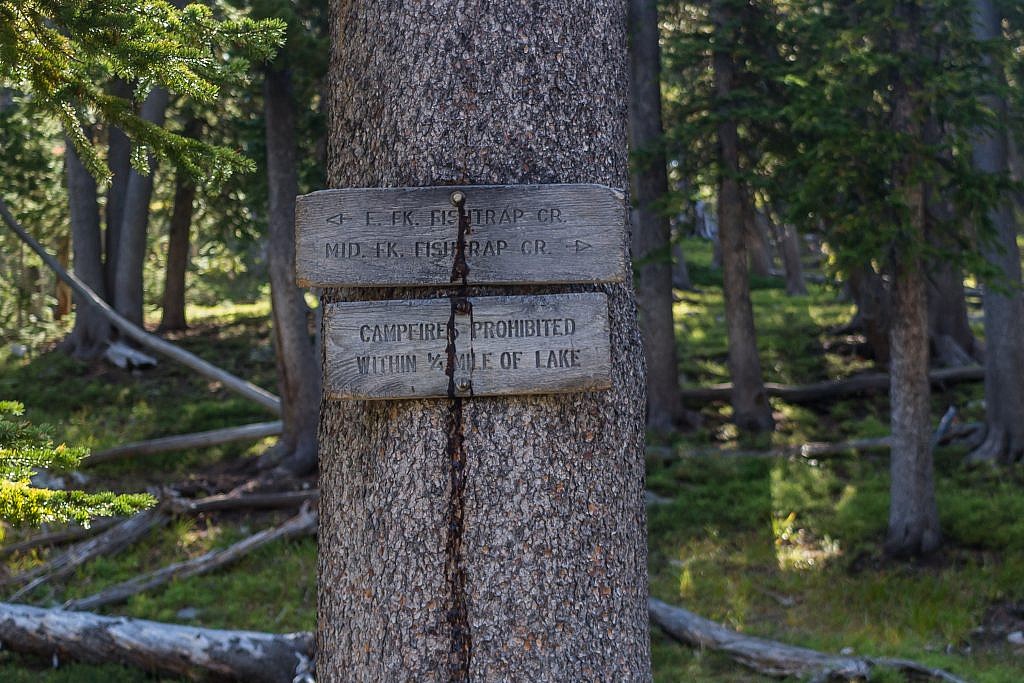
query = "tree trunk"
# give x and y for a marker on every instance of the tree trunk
(874, 310)
(173, 309)
(751, 410)
(951, 339)
(1004, 306)
(298, 369)
(650, 234)
(484, 538)
(788, 240)
(131, 250)
(756, 238)
(913, 514)
(91, 331)
(119, 152)
(62, 291)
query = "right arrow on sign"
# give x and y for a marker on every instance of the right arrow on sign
(582, 246)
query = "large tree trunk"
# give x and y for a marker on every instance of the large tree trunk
(913, 515)
(173, 308)
(91, 332)
(751, 410)
(874, 310)
(1004, 307)
(484, 538)
(651, 232)
(788, 240)
(298, 370)
(119, 152)
(131, 250)
(949, 332)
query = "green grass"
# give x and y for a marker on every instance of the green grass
(786, 549)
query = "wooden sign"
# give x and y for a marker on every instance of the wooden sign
(407, 236)
(503, 345)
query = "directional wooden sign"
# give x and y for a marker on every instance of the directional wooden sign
(503, 345)
(520, 234)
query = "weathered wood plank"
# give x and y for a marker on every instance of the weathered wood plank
(406, 236)
(505, 345)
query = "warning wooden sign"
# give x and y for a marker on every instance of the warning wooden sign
(520, 234)
(502, 345)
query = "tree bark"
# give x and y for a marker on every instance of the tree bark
(91, 332)
(874, 310)
(788, 240)
(651, 232)
(484, 538)
(173, 308)
(298, 370)
(119, 152)
(951, 339)
(751, 410)
(131, 250)
(756, 237)
(913, 514)
(1003, 302)
(172, 649)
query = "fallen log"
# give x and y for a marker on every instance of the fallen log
(248, 501)
(772, 658)
(74, 533)
(168, 649)
(213, 437)
(301, 525)
(139, 335)
(111, 541)
(819, 391)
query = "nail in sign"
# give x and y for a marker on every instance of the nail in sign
(505, 345)
(521, 234)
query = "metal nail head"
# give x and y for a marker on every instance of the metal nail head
(458, 197)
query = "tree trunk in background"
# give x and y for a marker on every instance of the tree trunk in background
(951, 339)
(651, 234)
(131, 249)
(119, 151)
(62, 291)
(298, 370)
(91, 332)
(1004, 310)
(874, 310)
(788, 239)
(751, 410)
(485, 538)
(913, 514)
(173, 307)
(756, 239)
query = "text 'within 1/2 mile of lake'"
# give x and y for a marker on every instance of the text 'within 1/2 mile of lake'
(520, 234)
(503, 345)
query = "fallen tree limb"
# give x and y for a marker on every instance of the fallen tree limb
(819, 391)
(74, 533)
(139, 335)
(213, 437)
(773, 658)
(169, 649)
(248, 501)
(301, 525)
(110, 541)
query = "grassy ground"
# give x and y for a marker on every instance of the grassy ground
(787, 549)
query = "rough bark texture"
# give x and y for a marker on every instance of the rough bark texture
(298, 370)
(173, 308)
(913, 514)
(491, 538)
(192, 652)
(650, 227)
(91, 332)
(1004, 306)
(119, 151)
(751, 410)
(131, 250)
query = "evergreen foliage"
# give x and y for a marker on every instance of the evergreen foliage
(24, 449)
(63, 52)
